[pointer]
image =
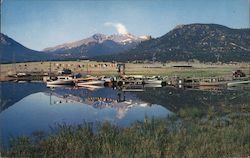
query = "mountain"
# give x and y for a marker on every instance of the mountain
(98, 44)
(204, 42)
(12, 51)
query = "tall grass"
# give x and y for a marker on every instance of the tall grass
(190, 133)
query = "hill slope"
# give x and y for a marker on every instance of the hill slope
(205, 42)
(12, 51)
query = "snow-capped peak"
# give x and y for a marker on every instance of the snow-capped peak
(100, 38)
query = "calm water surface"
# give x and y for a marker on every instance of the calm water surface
(28, 107)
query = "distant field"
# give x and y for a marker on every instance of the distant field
(109, 69)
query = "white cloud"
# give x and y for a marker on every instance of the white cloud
(120, 28)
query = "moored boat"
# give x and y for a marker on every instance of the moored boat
(90, 82)
(91, 87)
(153, 81)
(152, 85)
(237, 83)
(60, 80)
(212, 83)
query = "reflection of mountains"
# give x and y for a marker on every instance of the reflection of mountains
(120, 104)
(174, 99)
(171, 98)
(12, 92)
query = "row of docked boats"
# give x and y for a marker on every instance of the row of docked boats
(153, 81)
(90, 80)
(233, 83)
(71, 80)
(230, 83)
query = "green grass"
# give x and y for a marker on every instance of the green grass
(190, 133)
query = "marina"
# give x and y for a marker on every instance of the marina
(136, 80)
(65, 76)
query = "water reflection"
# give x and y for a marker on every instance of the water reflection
(28, 107)
(12, 92)
(41, 110)
(120, 105)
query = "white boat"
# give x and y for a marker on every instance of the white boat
(90, 82)
(219, 83)
(133, 88)
(152, 81)
(59, 86)
(106, 79)
(152, 85)
(237, 83)
(91, 87)
(61, 80)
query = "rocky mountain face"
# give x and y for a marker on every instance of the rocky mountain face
(98, 44)
(205, 42)
(12, 51)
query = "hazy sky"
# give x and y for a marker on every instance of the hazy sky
(38, 24)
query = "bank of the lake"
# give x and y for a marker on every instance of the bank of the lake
(220, 132)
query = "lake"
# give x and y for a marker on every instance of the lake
(27, 107)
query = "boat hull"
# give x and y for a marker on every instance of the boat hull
(212, 83)
(61, 82)
(91, 87)
(153, 81)
(98, 82)
(237, 83)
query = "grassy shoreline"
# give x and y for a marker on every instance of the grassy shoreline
(189, 133)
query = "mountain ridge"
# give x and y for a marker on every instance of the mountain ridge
(12, 51)
(204, 42)
(97, 44)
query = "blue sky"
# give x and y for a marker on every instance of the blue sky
(38, 24)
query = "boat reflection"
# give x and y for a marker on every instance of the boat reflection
(88, 87)
(42, 110)
(120, 104)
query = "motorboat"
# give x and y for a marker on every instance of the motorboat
(153, 81)
(221, 83)
(60, 80)
(89, 81)
(106, 79)
(237, 83)
(212, 82)
(152, 85)
(60, 86)
(91, 87)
